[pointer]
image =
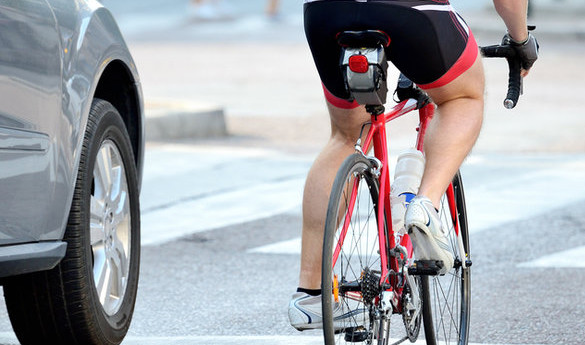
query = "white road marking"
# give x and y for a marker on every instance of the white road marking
(192, 189)
(499, 201)
(8, 338)
(241, 340)
(233, 188)
(572, 258)
(524, 195)
(213, 212)
(285, 247)
(225, 340)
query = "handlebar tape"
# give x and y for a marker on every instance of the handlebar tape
(514, 65)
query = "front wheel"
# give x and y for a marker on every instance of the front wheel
(351, 261)
(88, 298)
(447, 298)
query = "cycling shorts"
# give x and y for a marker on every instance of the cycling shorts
(429, 42)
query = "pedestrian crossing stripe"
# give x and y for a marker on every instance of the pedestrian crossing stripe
(571, 258)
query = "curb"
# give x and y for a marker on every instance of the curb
(169, 120)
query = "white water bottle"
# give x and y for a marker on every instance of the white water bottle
(408, 173)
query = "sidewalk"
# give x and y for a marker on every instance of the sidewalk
(170, 119)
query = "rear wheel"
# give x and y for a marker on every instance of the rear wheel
(351, 261)
(89, 297)
(447, 299)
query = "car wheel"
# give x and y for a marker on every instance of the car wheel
(88, 298)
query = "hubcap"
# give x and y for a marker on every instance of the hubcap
(110, 227)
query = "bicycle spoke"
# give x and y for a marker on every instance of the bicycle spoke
(357, 230)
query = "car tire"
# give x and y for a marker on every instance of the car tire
(89, 297)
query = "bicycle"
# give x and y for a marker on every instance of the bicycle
(368, 268)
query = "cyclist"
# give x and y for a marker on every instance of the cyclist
(433, 46)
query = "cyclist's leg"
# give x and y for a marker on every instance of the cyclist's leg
(451, 135)
(453, 131)
(346, 120)
(345, 129)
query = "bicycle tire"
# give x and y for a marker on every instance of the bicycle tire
(359, 253)
(447, 299)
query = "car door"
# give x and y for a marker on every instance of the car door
(30, 107)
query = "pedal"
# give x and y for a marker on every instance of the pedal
(425, 268)
(356, 335)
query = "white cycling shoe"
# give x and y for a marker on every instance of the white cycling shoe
(428, 236)
(304, 313)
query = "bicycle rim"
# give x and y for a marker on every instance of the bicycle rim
(446, 299)
(351, 260)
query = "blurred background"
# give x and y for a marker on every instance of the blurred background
(235, 115)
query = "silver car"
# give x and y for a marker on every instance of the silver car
(71, 156)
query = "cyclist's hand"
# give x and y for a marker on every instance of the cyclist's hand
(527, 51)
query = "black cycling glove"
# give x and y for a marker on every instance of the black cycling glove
(527, 50)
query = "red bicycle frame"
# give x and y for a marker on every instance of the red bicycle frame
(376, 137)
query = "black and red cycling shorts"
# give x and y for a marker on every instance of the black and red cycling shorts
(430, 43)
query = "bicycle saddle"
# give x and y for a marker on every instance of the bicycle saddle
(363, 39)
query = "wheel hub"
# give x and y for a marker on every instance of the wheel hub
(109, 229)
(110, 236)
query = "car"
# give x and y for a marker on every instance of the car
(71, 162)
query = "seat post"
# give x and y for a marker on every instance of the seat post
(375, 109)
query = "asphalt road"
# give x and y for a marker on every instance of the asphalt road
(234, 281)
(223, 277)
(221, 217)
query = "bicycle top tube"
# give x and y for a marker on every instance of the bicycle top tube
(401, 109)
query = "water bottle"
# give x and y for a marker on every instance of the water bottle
(408, 173)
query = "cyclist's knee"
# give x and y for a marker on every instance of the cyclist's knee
(346, 124)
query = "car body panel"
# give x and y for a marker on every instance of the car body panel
(44, 106)
(30, 257)
(30, 85)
